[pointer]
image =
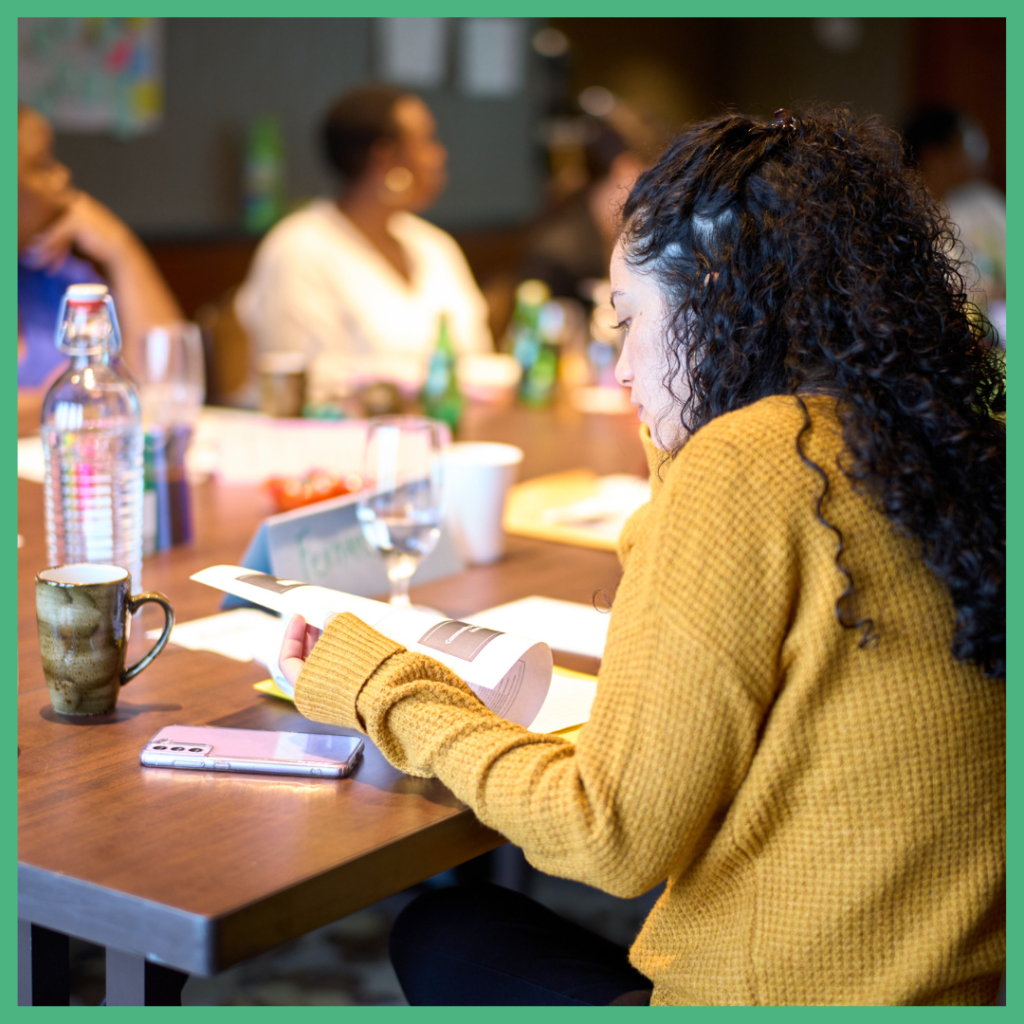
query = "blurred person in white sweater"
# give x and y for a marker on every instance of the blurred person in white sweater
(358, 283)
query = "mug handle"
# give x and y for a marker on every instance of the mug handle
(134, 604)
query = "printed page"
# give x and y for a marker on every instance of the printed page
(511, 674)
(562, 625)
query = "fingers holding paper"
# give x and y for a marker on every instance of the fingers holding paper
(299, 640)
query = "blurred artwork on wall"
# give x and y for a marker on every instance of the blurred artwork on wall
(412, 51)
(492, 57)
(93, 75)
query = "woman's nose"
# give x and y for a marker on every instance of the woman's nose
(623, 369)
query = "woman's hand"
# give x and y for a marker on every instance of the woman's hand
(299, 640)
(94, 230)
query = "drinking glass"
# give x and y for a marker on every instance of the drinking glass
(401, 510)
(172, 387)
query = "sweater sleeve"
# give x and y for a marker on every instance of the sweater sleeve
(673, 727)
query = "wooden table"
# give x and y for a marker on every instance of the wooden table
(196, 871)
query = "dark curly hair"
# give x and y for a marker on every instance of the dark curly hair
(802, 256)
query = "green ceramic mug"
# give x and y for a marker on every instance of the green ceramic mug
(84, 615)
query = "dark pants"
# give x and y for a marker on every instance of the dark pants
(482, 945)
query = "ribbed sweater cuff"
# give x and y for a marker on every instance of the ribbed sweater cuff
(346, 655)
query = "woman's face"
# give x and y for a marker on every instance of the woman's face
(420, 152)
(644, 364)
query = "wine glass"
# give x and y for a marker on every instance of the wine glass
(172, 381)
(401, 509)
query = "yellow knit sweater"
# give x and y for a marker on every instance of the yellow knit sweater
(830, 819)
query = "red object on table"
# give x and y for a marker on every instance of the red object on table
(296, 492)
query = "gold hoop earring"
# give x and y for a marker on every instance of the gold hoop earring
(398, 179)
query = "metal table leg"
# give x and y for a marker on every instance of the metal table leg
(133, 981)
(44, 973)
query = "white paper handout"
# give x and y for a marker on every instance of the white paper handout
(562, 625)
(618, 497)
(246, 447)
(567, 704)
(238, 634)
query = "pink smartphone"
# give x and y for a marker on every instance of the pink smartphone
(214, 748)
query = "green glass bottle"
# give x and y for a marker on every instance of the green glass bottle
(530, 296)
(264, 175)
(537, 387)
(529, 343)
(441, 396)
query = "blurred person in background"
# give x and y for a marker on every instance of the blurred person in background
(358, 283)
(67, 237)
(949, 149)
(800, 715)
(569, 249)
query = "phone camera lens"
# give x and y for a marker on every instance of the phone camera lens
(159, 748)
(177, 748)
(195, 750)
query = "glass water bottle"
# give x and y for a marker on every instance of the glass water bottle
(92, 443)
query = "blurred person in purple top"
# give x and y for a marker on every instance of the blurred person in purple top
(66, 237)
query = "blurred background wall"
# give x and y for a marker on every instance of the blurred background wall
(689, 68)
(180, 184)
(185, 178)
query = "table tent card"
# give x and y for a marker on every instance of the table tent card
(323, 545)
(510, 674)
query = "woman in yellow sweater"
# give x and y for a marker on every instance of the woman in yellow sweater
(800, 715)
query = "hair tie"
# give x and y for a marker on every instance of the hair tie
(782, 120)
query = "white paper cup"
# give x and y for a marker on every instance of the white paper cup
(477, 476)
